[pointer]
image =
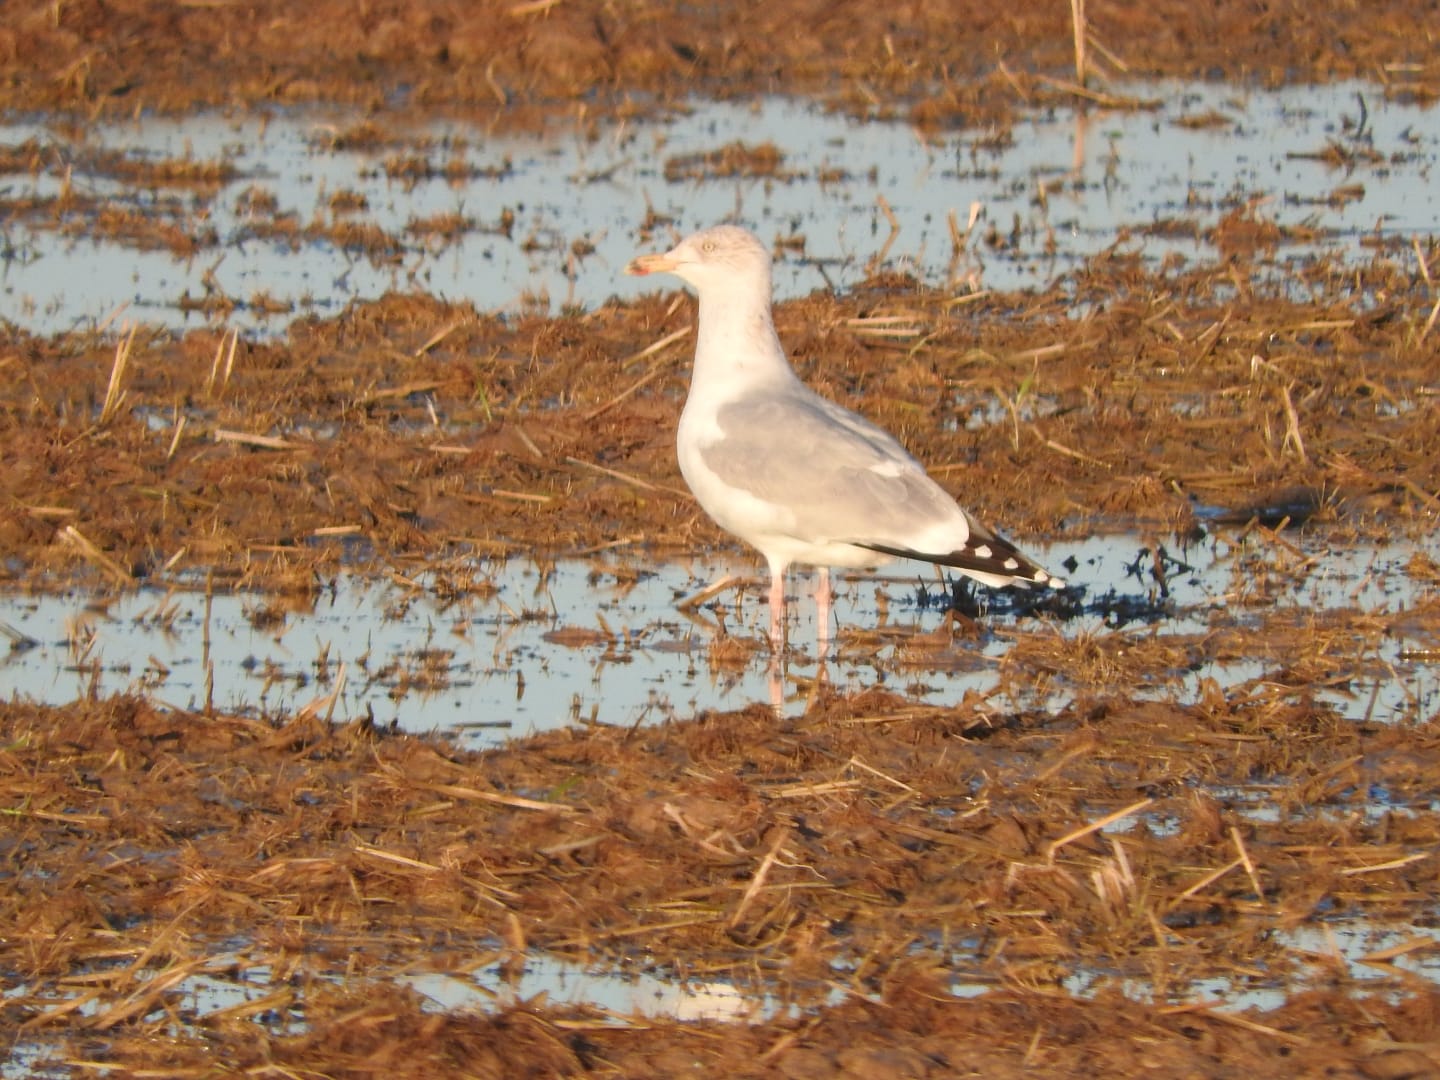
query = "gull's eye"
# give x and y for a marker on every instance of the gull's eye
(708, 246)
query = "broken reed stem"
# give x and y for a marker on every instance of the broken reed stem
(325, 701)
(114, 395)
(958, 241)
(878, 259)
(1109, 101)
(531, 7)
(1060, 448)
(517, 802)
(1099, 46)
(890, 217)
(1415, 944)
(1393, 864)
(715, 588)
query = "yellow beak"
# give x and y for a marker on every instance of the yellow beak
(650, 264)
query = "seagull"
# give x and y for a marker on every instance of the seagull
(791, 473)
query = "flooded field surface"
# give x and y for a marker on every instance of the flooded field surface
(249, 221)
(613, 641)
(374, 697)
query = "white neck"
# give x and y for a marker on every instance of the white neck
(736, 345)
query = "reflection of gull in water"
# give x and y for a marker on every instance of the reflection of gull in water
(795, 475)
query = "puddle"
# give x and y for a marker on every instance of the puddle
(295, 219)
(624, 994)
(604, 640)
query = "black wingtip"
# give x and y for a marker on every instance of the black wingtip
(991, 560)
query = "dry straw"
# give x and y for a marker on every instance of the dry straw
(115, 393)
(87, 548)
(223, 364)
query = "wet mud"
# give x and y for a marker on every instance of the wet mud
(988, 888)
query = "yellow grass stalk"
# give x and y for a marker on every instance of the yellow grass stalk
(1405, 948)
(175, 439)
(114, 394)
(616, 474)
(1245, 861)
(655, 346)
(1393, 864)
(456, 791)
(224, 364)
(1430, 322)
(1420, 258)
(1292, 426)
(757, 882)
(1206, 1008)
(439, 336)
(1077, 22)
(1210, 878)
(695, 599)
(264, 442)
(1094, 826)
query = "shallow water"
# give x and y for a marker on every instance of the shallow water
(603, 639)
(1107, 176)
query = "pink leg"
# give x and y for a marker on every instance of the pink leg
(823, 597)
(777, 607)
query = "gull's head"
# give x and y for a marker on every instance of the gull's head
(723, 256)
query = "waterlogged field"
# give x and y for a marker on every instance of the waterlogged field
(376, 697)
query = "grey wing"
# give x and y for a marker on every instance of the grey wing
(837, 476)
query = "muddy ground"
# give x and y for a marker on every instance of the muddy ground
(944, 61)
(858, 862)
